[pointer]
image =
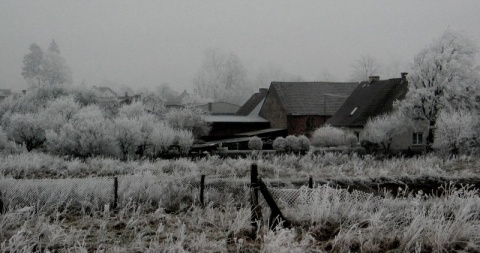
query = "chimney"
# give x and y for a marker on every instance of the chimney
(404, 75)
(126, 94)
(263, 90)
(372, 79)
(24, 92)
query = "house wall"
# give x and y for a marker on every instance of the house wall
(403, 141)
(302, 124)
(220, 108)
(273, 111)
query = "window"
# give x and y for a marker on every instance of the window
(354, 110)
(357, 134)
(417, 138)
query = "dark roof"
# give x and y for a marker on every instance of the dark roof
(370, 99)
(312, 98)
(252, 102)
(105, 89)
(178, 100)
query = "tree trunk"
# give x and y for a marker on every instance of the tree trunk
(431, 136)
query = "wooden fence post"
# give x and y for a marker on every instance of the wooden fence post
(202, 188)
(276, 216)
(115, 193)
(1, 203)
(310, 182)
(255, 207)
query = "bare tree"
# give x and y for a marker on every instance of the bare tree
(222, 77)
(364, 67)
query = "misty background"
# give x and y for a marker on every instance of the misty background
(146, 44)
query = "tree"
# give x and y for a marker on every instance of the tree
(191, 119)
(328, 136)
(32, 64)
(453, 130)
(46, 68)
(364, 67)
(127, 134)
(27, 129)
(443, 77)
(383, 129)
(87, 134)
(222, 77)
(163, 137)
(58, 112)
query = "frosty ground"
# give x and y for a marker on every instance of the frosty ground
(169, 218)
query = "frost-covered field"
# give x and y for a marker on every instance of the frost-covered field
(154, 217)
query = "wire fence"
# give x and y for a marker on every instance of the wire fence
(169, 193)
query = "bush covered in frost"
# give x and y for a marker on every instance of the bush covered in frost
(279, 144)
(328, 136)
(255, 143)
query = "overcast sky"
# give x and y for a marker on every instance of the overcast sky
(147, 43)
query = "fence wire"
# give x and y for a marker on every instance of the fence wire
(169, 193)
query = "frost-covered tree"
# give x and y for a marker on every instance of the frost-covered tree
(58, 112)
(279, 144)
(148, 123)
(255, 143)
(184, 139)
(87, 134)
(328, 136)
(127, 135)
(163, 137)
(443, 77)
(133, 110)
(191, 119)
(27, 129)
(47, 68)
(453, 130)
(222, 77)
(32, 64)
(385, 128)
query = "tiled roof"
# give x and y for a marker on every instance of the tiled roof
(370, 100)
(234, 118)
(252, 102)
(312, 98)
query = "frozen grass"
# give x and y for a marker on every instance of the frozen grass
(328, 165)
(329, 220)
(159, 209)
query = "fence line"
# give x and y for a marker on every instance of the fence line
(170, 193)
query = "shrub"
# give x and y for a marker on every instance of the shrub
(328, 136)
(304, 143)
(279, 144)
(351, 140)
(293, 144)
(453, 130)
(384, 129)
(255, 143)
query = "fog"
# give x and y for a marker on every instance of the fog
(144, 44)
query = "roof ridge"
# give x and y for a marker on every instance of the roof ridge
(315, 82)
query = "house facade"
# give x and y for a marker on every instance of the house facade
(301, 107)
(373, 98)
